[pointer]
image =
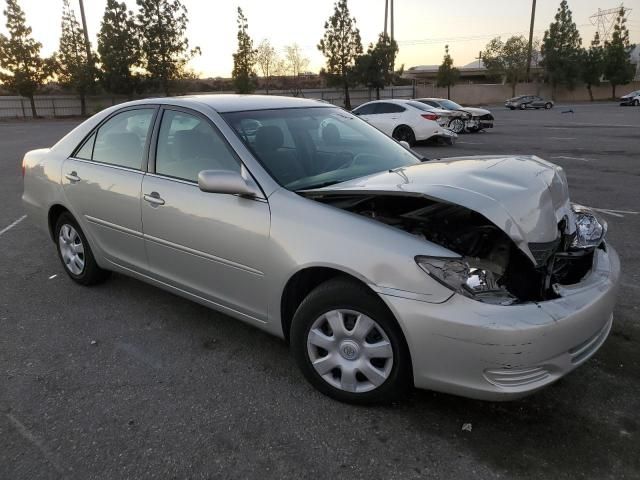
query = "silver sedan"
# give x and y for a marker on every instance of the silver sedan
(474, 276)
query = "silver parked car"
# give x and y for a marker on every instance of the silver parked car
(474, 276)
(523, 102)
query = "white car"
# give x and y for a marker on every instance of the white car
(480, 118)
(404, 122)
(632, 98)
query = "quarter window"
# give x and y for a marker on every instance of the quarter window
(121, 140)
(188, 144)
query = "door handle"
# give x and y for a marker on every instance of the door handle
(154, 199)
(72, 177)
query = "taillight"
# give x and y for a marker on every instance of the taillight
(430, 116)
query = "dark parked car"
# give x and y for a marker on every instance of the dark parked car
(528, 101)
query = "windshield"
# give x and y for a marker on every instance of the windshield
(449, 105)
(305, 148)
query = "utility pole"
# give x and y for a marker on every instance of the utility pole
(529, 51)
(391, 20)
(86, 34)
(386, 16)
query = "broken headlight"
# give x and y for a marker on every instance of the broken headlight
(590, 230)
(465, 279)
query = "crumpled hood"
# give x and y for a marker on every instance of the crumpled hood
(524, 196)
(476, 112)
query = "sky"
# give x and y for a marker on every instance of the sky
(422, 27)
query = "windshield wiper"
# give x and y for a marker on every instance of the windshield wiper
(313, 186)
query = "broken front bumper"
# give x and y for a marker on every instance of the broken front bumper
(495, 352)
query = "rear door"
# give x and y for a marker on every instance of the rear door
(388, 117)
(102, 182)
(211, 245)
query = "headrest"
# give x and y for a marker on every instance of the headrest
(269, 137)
(330, 133)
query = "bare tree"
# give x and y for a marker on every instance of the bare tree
(296, 63)
(267, 60)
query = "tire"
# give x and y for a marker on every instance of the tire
(522, 106)
(75, 253)
(548, 106)
(405, 133)
(346, 303)
(636, 103)
(512, 108)
(456, 125)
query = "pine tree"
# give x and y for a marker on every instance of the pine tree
(72, 65)
(618, 68)
(593, 64)
(22, 70)
(118, 48)
(162, 25)
(341, 45)
(447, 74)
(244, 59)
(561, 49)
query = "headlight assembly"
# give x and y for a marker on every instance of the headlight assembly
(590, 230)
(461, 277)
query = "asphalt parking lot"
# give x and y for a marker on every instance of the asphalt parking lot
(127, 381)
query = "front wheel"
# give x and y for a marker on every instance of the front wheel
(523, 106)
(349, 346)
(403, 133)
(456, 125)
(75, 253)
(548, 105)
(636, 102)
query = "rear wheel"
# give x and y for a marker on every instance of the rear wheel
(636, 102)
(403, 133)
(456, 125)
(548, 105)
(522, 106)
(75, 253)
(349, 346)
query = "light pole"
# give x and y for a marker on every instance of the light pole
(529, 51)
(86, 33)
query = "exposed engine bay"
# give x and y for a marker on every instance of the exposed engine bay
(495, 269)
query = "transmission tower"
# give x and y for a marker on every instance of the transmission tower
(605, 19)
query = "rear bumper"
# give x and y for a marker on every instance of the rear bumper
(494, 352)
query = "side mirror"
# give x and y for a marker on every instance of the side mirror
(224, 181)
(405, 144)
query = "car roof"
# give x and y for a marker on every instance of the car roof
(224, 103)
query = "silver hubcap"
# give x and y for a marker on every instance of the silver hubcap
(456, 125)
(350, 351)
(71, 249)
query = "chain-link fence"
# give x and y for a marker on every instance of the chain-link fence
(53, 106)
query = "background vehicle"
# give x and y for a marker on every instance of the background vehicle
(528, 101)
(477, 119)
(392, 276)
(632, 98)
(404, 122)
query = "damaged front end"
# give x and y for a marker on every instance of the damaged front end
(491, 266)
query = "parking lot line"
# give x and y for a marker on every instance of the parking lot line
(35, 441)
(572, 158)
(9, 227)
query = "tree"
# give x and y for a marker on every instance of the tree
(73, 68)
(375, 68)
(341, 45)
(618, 68)
(267, 61)
(162, 25)
(593, 64)
(561, 49)
(295, 64)
(118, 48)
(447, 73)
(508, 59)
(244, 59)
(22, 69)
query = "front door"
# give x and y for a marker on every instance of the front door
(102, 183)
(208, 244)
